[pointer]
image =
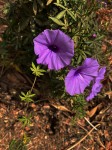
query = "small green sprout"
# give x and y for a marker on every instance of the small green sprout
(26, 138)
(36, 70)
(26, 121)
(27, 97)
(17, 145)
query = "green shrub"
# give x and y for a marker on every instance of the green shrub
(27, 18)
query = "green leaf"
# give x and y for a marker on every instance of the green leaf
(58, 1)
(57, 21)
(71, 14)
(17, 144)
(61, 14)
(99, 38)
(83, 54)
(57, 4)
(79, 59)
(36, 70)
(49, 2)
(88, 53)
(35, 7)
(25, 120)
(27, 97)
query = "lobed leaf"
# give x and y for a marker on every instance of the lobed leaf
(36, 70)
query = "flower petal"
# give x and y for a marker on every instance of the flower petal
(44, 57)
(47, 56)
(101, 74)
(76, 83)
(95, 90)
(41, 39)
(51, 35)
(65, 42)
(90, 67)
(97, 85)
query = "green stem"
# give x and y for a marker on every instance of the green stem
(33, 84)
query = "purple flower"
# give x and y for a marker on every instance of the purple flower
(54, 48)
(78, 79)
(95, 90)
(101, 74)
(97, 85)
(94, 35)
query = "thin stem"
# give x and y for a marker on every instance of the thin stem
(33, 84)
(31, 90)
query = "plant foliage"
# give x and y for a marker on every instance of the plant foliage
(27, 97)
(36, 70)
(17, 145)
(26, 121)
(27, 18)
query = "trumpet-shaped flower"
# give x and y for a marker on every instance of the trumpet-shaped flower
(78, 79)
(54, 48)
(97, 85)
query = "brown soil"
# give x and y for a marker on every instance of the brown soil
(51, 124)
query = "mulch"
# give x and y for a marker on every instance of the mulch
(51, 125)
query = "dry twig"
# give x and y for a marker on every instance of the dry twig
(90, 123)
(83, 138)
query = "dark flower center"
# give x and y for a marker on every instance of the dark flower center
(53, 48)
(78, 71)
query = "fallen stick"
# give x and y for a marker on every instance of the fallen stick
(83, 138)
